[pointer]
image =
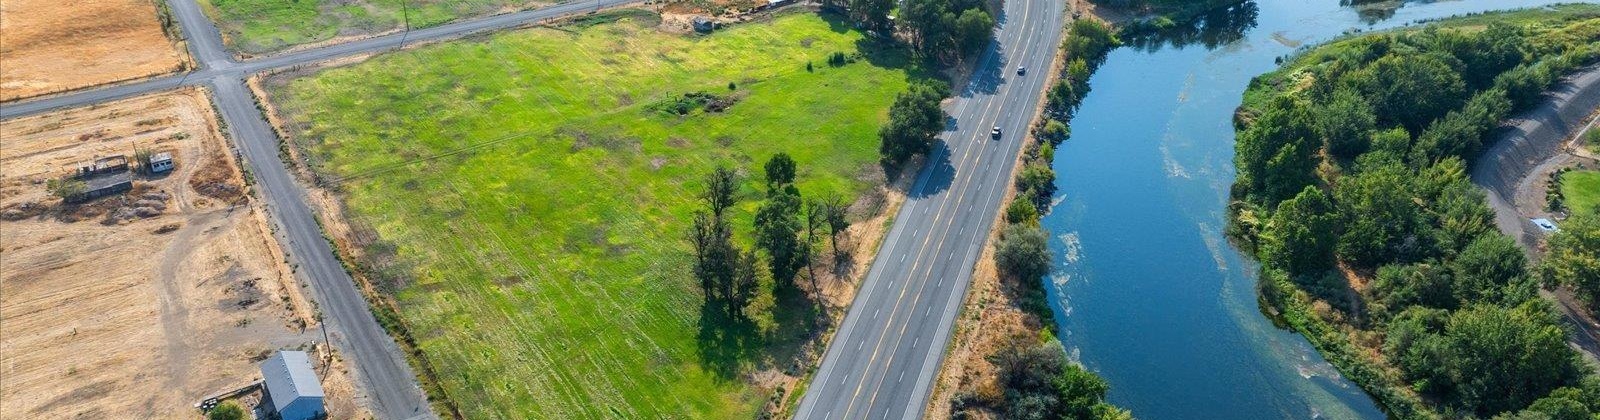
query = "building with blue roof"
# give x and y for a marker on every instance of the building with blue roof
(290, 387)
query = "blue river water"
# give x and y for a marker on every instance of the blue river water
(1147, 290)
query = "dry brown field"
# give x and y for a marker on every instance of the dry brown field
(138, 305)
(49, 46)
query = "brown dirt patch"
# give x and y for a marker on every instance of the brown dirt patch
(143, 318)
(54, 46)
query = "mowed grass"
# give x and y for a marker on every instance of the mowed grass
(533, 208)
(1581, 190)
(259, 26)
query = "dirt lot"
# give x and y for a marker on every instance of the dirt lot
(137, 305)
(52, 46)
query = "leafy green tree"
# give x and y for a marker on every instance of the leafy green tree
(1460, 133)
(1460, 216)
(715, 255)
(925, 22)
(1492, 269)
(1089, 39)
(780, 170)
(746, 280)
(1289, 171)
(1411, 89)
(1489, 53)
(1414, 345)
(722, 187)
(1301, 234)
(760, 302)
(1561, 404)
(873, 14)
(1037, 183)
(1504, 359)
(835, 214)
(778, 225)
(1023, 252)
(1525, 84)
(226, 411)
(1022, 211)
(1346, 124)
(1394, 142)
(1380, 214)
(1574, 257)
(974, 28)
(1054, 132)
(915, 119)
(1284, 123)
(1426, 284)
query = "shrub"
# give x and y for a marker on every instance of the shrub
(227, 411)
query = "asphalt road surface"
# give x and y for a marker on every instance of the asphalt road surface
(882, 361)
(391, 388)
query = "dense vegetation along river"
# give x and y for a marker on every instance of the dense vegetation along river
(1148, 291)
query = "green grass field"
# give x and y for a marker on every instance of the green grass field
(533, 203)
(1581, 190)
(260, 26)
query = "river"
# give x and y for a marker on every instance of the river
(1147, 290)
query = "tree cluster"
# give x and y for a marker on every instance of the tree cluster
(786, 232)
(915, 120)
(1364, 166)
(946, 29)
(728, 274)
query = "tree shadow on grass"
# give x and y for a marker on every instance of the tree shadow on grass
(727, 346)
(725, 343)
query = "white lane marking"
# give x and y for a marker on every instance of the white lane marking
(902, 257)
(874, 315)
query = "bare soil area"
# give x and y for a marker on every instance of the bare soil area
(54, 46)
(138, 305)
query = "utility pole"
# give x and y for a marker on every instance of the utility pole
(405, 13)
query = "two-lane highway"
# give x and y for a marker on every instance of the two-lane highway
(882, 360)
(390, 387)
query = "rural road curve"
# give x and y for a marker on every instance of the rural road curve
(882, 360)
(1527, 142)
(380, 367)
